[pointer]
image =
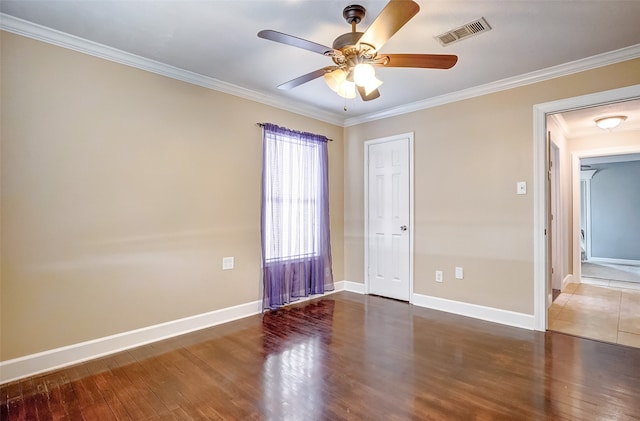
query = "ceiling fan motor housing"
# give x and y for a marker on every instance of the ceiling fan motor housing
(350, 39)
(354, 13)
(348, 43)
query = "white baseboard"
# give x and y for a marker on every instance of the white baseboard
(72, 354)
(614, 261)
(53, 359)
(41, 362)
(566, 281)
(351, 286)
(490, 314)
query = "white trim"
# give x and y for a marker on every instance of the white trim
(53, 359)
(576, 218)
(72, 354)
(626, 262)
(539, 220)
(368, 143)
(489, 314)
(540, 112)
(566, 281)
(357, 287)
(51, 36)
(584, 198)
(42, 33)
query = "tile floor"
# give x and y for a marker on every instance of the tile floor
(605, 313)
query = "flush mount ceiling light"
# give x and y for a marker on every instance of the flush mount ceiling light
(608, 123)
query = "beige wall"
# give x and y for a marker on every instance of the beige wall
(602, 142)
(468, 157)
(121, 192)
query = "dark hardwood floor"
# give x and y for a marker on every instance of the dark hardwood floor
(344, 357)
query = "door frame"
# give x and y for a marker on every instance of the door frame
(584, 200)
(367, 144)
(540, 113)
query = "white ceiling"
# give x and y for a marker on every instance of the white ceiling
(581, 123)
(216, 40)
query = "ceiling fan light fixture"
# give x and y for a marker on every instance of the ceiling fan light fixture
(372, 85)
(338, 82)
(347, 90)
(363, 74)
(334, 79)
(608, 123)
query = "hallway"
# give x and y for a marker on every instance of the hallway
(610, 274)
(603, 313)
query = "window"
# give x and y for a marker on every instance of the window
(296, 251)
(292, 186)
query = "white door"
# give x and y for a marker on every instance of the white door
(388, 237)
(556, 245)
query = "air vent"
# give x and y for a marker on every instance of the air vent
(465, 31)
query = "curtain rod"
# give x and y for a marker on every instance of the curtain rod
(262, 124)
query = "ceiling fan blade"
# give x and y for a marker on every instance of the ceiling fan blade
(426, 61)
(306, 78)
(373, 95)
(294, 41)
(393, 17)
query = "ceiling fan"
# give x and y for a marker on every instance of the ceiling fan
(355, 54)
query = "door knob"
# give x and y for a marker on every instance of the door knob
(403, 228)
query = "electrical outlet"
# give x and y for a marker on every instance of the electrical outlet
(459, 273)
(439, 276)
(227, 263)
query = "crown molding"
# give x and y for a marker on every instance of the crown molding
(561, 123)
(42, 33)
(600, 60)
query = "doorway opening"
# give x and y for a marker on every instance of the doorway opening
(542, 237)
(604, 303)
(609, 223)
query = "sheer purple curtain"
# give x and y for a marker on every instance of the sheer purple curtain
(296, 250)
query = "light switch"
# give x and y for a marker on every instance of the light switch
(459, 273)
(521, 187)
(227, 263)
